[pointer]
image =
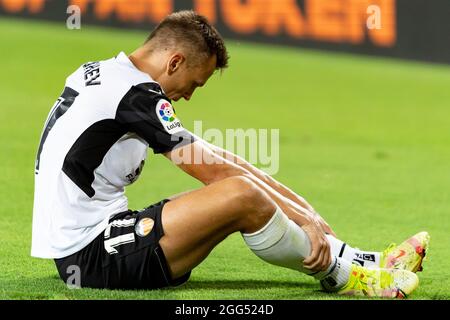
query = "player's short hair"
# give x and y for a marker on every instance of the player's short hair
(192, 31)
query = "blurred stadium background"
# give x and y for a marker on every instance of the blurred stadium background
(358, 88)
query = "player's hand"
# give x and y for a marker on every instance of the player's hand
(325, 227)
(320, 257)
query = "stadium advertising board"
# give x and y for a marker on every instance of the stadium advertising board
(396, 28)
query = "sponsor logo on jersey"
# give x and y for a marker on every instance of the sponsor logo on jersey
(168, 118)
(154, 91)
(133, 176)
(144, 226)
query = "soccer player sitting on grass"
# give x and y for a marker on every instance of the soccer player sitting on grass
(95, 142)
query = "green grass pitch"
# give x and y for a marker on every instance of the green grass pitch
(365, 140)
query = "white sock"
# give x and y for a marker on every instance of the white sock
(283, 243)
(354, 255)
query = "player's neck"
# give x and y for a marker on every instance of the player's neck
(147, 63)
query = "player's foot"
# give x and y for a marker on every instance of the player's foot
(381, 283)
(408, 255)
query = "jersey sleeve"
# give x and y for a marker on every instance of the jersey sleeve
(146, 111)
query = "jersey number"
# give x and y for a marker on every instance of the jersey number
(111, 243)
(59, 108)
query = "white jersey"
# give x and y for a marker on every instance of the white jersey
(94, 143)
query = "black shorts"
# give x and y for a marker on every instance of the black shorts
(127, 255)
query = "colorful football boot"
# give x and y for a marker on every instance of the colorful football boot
(409, 255)
(380, 283)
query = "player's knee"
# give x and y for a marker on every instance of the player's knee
(245, 191)
(254, 202)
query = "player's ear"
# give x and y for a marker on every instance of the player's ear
(175, 62)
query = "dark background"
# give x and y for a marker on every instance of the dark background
(422, 27)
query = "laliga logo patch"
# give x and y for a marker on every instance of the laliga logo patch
(166, 112)
(144, 226)
(168, 118)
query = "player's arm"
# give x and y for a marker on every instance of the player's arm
(286, 192)
(147, 114)
(201, 162)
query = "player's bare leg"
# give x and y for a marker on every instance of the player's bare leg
(195, 222)
(409, 255)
